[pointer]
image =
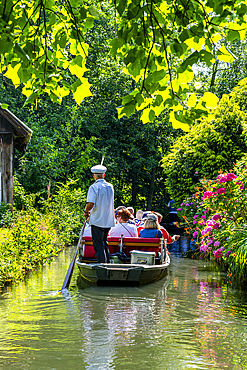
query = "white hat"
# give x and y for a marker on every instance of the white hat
(98, 169)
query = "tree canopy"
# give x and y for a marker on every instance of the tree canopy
(43, 47)
(209, 147)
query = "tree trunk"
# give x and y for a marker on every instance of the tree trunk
(134, 191)
(151, 189)
(215, 70)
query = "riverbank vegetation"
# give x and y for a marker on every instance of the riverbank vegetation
(36, 230)
(113, 88)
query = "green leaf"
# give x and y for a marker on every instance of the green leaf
(178, 124)
(151, 115)
(4, 106)
(5, 45)
(94, 12)
(192, 59)
(121, 6)
(128, 98)
(21, 53)
(82, 91)
(89, 22)
(232, 35)
(24, 75)
(31, 98)
(177, 49)
(184, 35)
(210, 99)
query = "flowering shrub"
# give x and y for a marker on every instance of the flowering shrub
(217, 215)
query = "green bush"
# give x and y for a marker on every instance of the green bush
(66, 208)
(36, 236)
(209, 146)
(6, 217)
(32, 240)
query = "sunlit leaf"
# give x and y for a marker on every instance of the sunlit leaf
(210, 99)
(82, 91)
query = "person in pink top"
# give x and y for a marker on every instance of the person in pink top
(123, 227)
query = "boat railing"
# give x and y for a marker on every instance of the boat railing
(126, 245)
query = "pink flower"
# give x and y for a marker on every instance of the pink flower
(209, 242)
(187, 204)
(204, 217)
(224, 178)
(216, 217)
(195, 234)
(216, 225)
(179, 209)
(203, 248)
(194, 222)
(221, 191)
(196, 216)
(217, 243)
(217, 253)
(206, 230)
(210, 223)
(231, 176)
(207, 194)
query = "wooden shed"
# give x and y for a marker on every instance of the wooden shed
(13, 134)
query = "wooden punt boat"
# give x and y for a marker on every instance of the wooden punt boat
(147, 260)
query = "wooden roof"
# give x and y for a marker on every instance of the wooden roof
(22, 133)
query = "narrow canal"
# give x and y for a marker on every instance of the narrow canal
(191, 320)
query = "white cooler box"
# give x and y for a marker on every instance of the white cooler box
(144, 258)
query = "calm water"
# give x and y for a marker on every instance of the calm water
(191, 320)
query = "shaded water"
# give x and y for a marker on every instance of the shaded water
(190, 320)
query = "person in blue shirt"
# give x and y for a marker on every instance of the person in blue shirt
(151, 228)
(173, 213)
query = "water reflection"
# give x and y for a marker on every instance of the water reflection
(191, 319)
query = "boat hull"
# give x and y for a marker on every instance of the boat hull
(121, 274)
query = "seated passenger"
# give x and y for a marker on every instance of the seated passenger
(144, 217)
(132, 218)
(165, 233)
(151, 228)
(123, 227)
(138, 217)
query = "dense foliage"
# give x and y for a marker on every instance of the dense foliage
(67, 139)
(209, 147)
(158, 41)
(32, 237)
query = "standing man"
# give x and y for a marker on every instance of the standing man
(100, 208)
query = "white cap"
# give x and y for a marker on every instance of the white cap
(98, 169)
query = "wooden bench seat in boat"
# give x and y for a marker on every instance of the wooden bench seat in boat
(128, 244)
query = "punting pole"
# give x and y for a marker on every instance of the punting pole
(72, 264)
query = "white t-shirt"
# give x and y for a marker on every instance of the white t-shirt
(124, 229)
(101, 193)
